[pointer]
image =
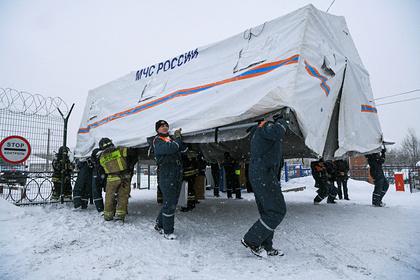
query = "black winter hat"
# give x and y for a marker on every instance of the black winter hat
(160, 123)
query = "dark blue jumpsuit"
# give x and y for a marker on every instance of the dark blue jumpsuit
(381, 183)
(98, 180)
(83, 185)
(168, 158)
(266, 157)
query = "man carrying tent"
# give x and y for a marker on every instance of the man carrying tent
(118, 163)
(232, 169)
(266, 155)
(83, 186)
(322, 172)
(90, 182)
(215, 173)
(332, 176)
(167, 150)
(342, 177)
(98, 180)
(190, 173)
(381, 183)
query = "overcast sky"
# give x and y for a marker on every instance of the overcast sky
(66, 48)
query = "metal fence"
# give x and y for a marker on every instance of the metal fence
(291, 171)
(411, 174)
(31, 188)
(35, 118)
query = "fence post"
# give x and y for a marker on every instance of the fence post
(410, 180)
(138, 175)
(148, 176)
(66, 120)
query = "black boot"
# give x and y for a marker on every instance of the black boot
(229, 194)
(317, 199)
(274, 252)
(256, 250)
(216, 192)
(331, 200)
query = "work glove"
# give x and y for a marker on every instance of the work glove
(177, 133)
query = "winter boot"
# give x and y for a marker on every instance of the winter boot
(317, 200)
(379, 204)
(255, 250)
(84, 203)
(229, 194)
(158, 228)
(120, 218)
(331, 200)
(169, 236)
(274, 252)
(216, 192)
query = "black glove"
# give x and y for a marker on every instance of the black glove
(282, 117)
(277, 117)
(283, 123)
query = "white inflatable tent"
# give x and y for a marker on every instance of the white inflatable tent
(305, 60)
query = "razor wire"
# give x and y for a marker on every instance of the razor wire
(22, 102)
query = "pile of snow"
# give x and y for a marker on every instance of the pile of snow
(349, 240)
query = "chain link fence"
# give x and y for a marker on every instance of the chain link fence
(37, 119)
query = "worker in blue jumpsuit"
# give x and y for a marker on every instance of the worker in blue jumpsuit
(381, 183)
(98, 180)
(167, 151)
(266, 157)
(83, 185)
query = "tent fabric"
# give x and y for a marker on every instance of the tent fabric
(296, 61)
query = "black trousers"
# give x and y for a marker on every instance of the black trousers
(342, 188)
(215, 173)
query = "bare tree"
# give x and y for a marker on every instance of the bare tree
(394, 157)
(411, 147)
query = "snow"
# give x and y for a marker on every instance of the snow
(349, 240)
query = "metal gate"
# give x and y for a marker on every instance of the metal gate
(37, 119)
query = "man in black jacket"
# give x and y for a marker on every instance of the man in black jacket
(342, 167)
(231, 166)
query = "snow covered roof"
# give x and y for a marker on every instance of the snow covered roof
(305, 60)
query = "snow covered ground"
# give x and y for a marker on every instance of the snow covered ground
(349, 240)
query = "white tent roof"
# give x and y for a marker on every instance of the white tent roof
(298, 60)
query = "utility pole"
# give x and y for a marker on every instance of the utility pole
(66, 120)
